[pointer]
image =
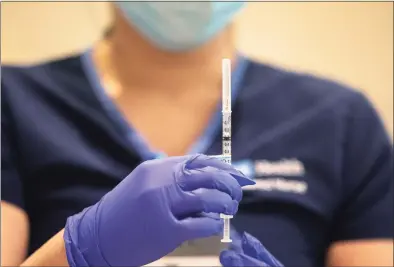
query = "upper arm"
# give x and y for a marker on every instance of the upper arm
(14, 221)
(363, 228)
(14, 234)
(360, 253)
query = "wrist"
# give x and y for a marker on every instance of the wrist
(52, 253)
(80, 239)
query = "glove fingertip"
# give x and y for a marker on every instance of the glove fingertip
(253, 247)
(192, 163)
(247, 239)
(242, 179)
(251, 241)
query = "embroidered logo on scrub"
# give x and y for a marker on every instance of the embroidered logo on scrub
(274, 175)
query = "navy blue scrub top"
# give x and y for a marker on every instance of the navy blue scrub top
(317, 149)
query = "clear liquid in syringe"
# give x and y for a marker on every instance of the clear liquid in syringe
(226, 137)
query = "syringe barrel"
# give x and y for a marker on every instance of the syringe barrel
(226, 134)
(226, 227)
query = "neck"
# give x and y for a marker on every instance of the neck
(133, 62)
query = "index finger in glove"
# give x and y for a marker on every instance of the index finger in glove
(211, 178)
(205, 200)
(200, 161)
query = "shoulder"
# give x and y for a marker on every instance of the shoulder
(42, 72)
(32, 83)
(296, 86)
(22, 77)
(298, 92)
(65, 64)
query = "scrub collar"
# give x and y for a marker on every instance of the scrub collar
(134, 138)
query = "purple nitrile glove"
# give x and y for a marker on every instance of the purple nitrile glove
(156, 208)
(246, 250)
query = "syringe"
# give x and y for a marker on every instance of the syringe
(226, 134)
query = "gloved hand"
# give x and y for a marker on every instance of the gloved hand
(160, 205)
(246, 250)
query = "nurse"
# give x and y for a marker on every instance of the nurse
(74, 128)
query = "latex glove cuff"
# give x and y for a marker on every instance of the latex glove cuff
(80, 242)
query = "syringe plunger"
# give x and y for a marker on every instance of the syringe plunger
(226, 85)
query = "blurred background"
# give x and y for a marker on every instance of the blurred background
(351, 42)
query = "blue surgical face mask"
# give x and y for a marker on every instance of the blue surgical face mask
(179, 26)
